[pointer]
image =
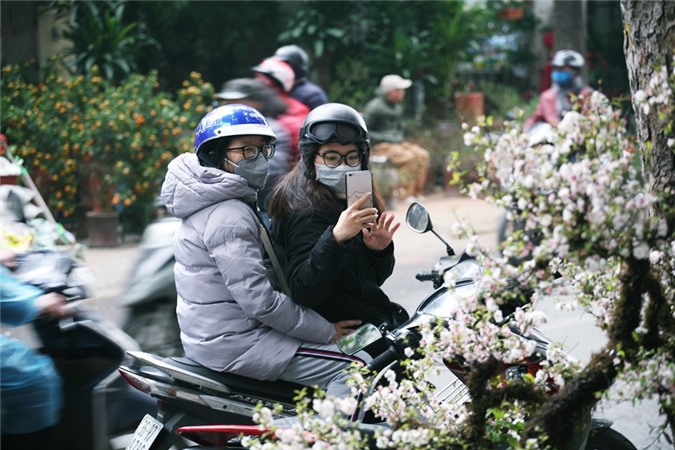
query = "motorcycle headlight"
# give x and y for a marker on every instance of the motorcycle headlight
(467, 270)
(446, 303)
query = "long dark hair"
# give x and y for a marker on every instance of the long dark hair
(299, 191)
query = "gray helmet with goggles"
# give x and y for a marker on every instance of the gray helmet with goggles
(333, 122)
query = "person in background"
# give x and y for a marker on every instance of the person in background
(384, 117)
(568, 89)
(30, 386)
(279, 76)
(254, 93)
(335, 257)
(303, 90)
(545, 79)
(230, 316)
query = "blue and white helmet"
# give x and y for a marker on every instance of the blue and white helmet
(227, 121)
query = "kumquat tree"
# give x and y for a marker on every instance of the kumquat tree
(66, 127)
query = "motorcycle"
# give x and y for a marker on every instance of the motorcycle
(100, 411)
(195, 402)
(150, 297)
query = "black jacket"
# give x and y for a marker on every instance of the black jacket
(340, 282)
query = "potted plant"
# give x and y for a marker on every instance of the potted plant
(140, 130)
(469, 103)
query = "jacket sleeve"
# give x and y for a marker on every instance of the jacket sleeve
(234, 243)
(313, 257)
(546, 110)
(17, 300)
(383, 262)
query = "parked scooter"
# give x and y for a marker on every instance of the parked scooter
(150, 298)
(195, 402)
(100, 410)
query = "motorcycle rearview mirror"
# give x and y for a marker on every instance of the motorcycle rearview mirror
(418, 219)
(359, 339)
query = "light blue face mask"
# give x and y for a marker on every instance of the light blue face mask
(561, 77)
(254, 171)
(334, 178)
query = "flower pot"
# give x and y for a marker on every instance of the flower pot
(9, 179)
(469, 105)
(512, 13)
(102, 229)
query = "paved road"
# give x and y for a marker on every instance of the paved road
(111, 268)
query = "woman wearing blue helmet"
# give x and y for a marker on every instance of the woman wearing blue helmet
(231, 318)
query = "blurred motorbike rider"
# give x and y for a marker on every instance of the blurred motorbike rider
(568, 88)
(303, 90)
(30, 385)
(231, 318)
(279, 76)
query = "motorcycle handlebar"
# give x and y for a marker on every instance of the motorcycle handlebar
(383, 360)
(426, 276)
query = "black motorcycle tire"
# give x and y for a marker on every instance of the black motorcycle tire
(155, 327)
(608, 439)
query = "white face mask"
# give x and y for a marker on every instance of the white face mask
(334, 178)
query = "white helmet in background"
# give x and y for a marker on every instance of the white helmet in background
(279, 72)
(568, 58)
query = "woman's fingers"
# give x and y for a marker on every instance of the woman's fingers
(361, 202)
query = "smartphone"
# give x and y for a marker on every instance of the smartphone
(359, 183)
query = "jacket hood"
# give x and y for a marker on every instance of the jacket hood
(190, 187)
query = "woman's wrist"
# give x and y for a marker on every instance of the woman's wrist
(340, 240)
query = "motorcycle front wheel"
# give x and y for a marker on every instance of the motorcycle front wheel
(608, 439)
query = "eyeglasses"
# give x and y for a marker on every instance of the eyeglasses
(325, 132)
(252, 151)
(333, 159)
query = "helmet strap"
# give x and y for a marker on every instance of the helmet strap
(221, 153)
(214, 158)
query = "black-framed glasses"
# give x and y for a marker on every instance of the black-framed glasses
(252, 151)
(344, 133)
(333, 159)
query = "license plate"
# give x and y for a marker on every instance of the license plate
(145, 433)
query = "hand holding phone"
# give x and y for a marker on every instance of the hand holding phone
(359, 183)
(360, 212)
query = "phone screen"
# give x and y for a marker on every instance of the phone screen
(359, 183)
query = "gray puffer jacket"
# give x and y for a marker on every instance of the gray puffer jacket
(231, 319)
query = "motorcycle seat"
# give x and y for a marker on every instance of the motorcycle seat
(276, 390)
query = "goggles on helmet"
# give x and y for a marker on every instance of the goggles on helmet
(325, 132)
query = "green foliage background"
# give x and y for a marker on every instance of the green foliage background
(128, 107)
(66, 127)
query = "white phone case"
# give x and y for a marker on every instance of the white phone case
(359, 183)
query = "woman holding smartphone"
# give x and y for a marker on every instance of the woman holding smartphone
(335, 256)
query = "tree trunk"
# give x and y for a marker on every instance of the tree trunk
(649, 42)
(569, 25)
